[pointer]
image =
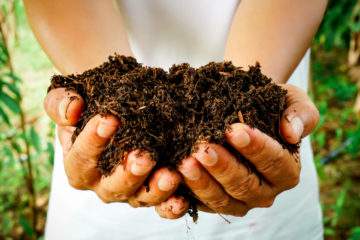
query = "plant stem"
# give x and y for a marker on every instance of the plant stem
(30, 176)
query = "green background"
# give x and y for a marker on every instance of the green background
(26, 134)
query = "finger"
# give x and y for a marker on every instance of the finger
(236, 179)
(64, 107)
(173, 208)
(276, 164)
(300, 117)
(126, 178)
(204, 208)
(161, 186)
(208, 191)
(65, 133)
(81, 161)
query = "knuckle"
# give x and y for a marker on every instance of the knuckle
(316, 116)
(76, 183)
(148, 202)
(266, 203)
(312, 113)
(48, 100)
(115, 192)
(256, 148)
(220, 203)
(116, 195)
(121, 197)
(80, 158)
(104, 197)
(105, 200)
(294, 180)
(141, 198)
(154, 199)
(272, 165)
(291, 181)
(88, 147)
(242, 190)
(135, 203)
(241, 213)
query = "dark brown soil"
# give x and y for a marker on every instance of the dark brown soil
(166, 113)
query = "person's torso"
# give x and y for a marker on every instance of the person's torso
(163, 32)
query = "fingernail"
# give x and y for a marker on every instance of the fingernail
(297, 126)
(165, 183)
(63, 106)
(139, 168)
(192, 174)
(207, 156)
(106, 128)
(239, 136)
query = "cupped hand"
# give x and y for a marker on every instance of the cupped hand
(225, 185)
(126, 183)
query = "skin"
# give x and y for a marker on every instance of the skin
(221, 183)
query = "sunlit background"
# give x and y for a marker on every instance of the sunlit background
(26, 134)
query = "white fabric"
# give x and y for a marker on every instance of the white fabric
(163, 32)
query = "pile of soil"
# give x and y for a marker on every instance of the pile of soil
(167, 113)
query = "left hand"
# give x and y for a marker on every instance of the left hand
(224, 185)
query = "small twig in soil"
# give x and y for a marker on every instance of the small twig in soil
(241, 118)
(226, 220)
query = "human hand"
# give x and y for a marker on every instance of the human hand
(126, 183)
(225, 185)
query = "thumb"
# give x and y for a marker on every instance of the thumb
(301, 116)
(63, 107)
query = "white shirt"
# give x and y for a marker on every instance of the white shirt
(161, 33)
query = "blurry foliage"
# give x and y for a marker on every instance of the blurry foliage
(23, 175)
(336, 140)
(335, 30)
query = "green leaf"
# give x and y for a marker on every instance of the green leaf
(336, 29)
(16, 147)
(14, 89)
(51, 153)
(320, 139)
(329, 232)
(319, 167)
(26, 226)
(10, 156)
(355, 233)
(11, 103)
(35, 139)
(7, 224)
(13, 76)
(5, 117)
(339, 133)
(339, 204)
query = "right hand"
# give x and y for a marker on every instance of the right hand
(126, 183)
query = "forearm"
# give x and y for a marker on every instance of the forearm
(77, 35)
(275, 33)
